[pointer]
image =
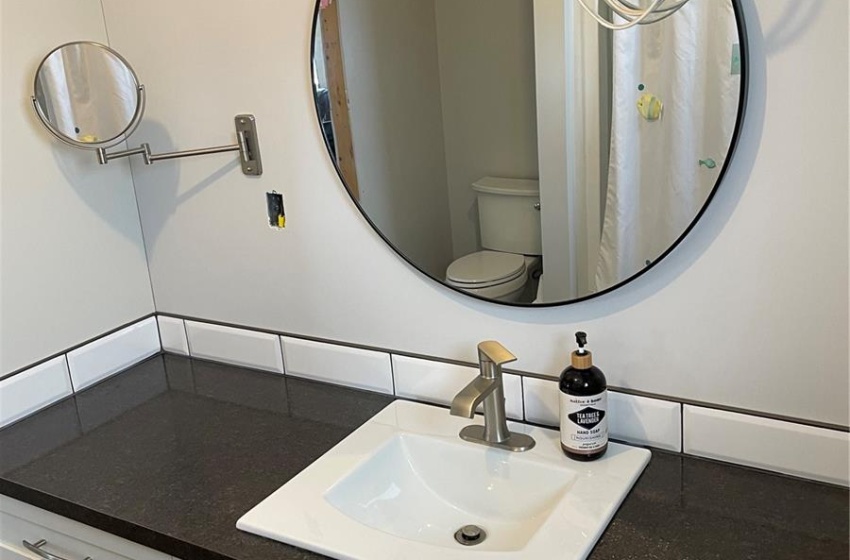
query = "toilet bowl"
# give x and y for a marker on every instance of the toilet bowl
(492, 275)
(509, 224)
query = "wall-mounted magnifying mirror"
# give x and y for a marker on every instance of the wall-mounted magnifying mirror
(517, 151)
(88, 96)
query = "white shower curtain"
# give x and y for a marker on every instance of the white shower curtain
(656, 181)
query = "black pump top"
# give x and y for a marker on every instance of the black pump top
(581, 340)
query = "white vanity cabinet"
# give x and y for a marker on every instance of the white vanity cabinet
(63, 537)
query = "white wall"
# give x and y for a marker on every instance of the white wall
(750, 311)
(489, 112)
(390, 59)
(72, 259)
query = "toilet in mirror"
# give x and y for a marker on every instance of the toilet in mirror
(509, 265)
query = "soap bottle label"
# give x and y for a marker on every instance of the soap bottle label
(584, 422)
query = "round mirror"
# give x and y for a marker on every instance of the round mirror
(516, 151)
(87, 95)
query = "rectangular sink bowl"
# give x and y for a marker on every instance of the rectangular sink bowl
(403, 485)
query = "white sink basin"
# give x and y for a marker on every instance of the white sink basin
(425, 489)
(403, 483)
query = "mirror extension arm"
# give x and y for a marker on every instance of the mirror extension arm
(247, 145)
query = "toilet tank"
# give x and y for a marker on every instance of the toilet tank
(508, 219)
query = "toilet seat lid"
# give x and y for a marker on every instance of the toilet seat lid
(485, 268)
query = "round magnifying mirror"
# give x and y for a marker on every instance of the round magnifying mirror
(87, 95)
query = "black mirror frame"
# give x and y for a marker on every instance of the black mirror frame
(743, 42)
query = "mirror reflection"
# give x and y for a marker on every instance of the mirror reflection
(87, 95)
(519, 152)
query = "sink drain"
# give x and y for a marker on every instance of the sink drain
(470, 535)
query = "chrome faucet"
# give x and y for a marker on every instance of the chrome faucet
(488, 388)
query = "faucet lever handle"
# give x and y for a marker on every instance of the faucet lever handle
(492, 351)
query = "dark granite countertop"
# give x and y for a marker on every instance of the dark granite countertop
(171, 453)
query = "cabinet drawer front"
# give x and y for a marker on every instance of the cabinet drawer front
(66, 538)
(7, 552)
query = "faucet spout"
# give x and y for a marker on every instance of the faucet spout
(488, 389)
(465, 402)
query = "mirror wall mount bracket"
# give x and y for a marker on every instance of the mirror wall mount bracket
(247, 144)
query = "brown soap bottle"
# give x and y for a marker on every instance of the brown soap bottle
(584, 406)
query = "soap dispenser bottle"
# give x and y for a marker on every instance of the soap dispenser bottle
(584, 406)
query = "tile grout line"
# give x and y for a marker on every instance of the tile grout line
(523, 389)
(70, 349)
(392, 373)
(765, 468)
(531, 375)
(522, 395)
(69, 372)
(391, 353)
(70, 377)
(186, 332)
(282, 356)
(159, 334)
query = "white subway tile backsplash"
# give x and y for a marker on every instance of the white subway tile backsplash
(637, 420)
(645, 421)
(33, 389)
(786, 447)
(112, 353)
(438, 382)
(353, 367)
(542, 401)
(172, 333)
(235, 346)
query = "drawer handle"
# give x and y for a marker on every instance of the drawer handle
(43, 553)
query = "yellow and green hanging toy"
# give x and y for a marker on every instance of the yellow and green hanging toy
(650, 107)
